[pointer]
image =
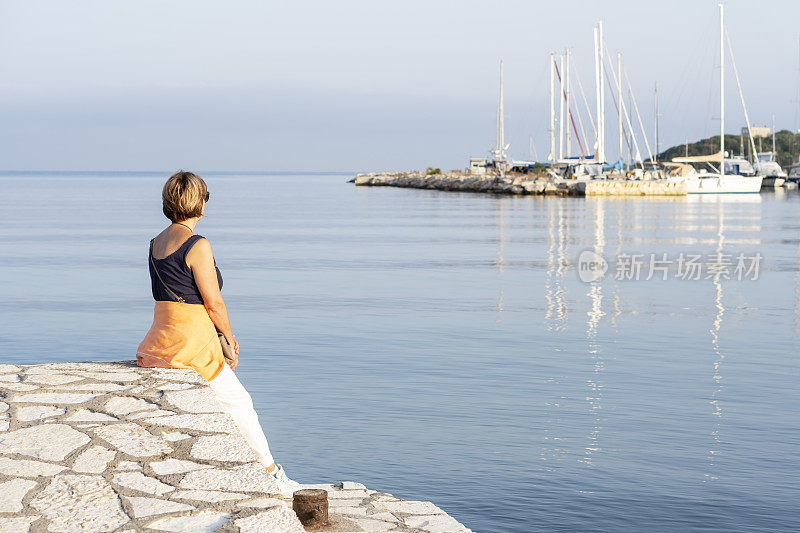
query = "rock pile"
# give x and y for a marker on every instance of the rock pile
(520, 184)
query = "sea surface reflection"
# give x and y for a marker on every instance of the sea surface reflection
(442, 346)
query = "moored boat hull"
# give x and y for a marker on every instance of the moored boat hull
(727, 184)
(772, 181)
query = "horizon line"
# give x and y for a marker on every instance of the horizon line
(292, 172)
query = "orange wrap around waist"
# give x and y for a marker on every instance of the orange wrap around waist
(182, 336)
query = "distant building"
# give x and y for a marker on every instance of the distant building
(758, 131)
(477, 165)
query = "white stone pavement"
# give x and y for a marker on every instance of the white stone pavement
(95, 447)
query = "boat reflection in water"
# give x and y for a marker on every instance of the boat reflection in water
(594, 395)
(717, 226)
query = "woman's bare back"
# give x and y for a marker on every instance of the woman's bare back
(168, 241)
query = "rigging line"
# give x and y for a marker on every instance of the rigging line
(712, 91)
(638, 157)
(677, 91)
(572, 120)
(616, 104)
(586, 104)
(741, 95)
(577, 107)
(578, 112)
(625, 111)
(797, 107)
(689, 115)
(538, 83)
(533, 149)
(638, 115)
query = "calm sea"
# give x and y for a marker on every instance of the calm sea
(441, 346)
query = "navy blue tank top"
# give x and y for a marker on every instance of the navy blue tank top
(177, 275)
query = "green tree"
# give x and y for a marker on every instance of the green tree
(787, 147)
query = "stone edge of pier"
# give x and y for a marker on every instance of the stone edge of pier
(520, 184)
(113, 447)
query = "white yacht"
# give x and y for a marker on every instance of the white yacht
(794, 172)
(773, 174)
(739, 176)
(730, 175)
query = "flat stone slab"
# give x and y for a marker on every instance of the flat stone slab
(94, 387)
(194, 401)
(28, 468)
(176, 466)
(49, 442)
(246, 478)
(136, 481)
(19, 524)
(125, 405)
(203, 522)
(52, 379)
(262, 503)
(80, 503)
(274, 520)
(133, 439)
(12, 492)
(38, 412)
(434, 523)
(153, 506)
(213, 423)
(57, 398)
(208, 495)
(85, 415)
(232, 448)
(128, 465)
(101, 447)
(94, 460)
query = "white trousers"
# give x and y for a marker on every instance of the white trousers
(236, 402)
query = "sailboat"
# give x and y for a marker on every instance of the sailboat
(765, 163)
(794, 172)
(774, 176)
(499, 154)
(728, 178)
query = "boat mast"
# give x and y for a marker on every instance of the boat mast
(741, 100)
(561, 110)
(500, 150)
(741, 143)
(602, 119)
(566, 101)
(773, 136)
(552, 155)
(619, 99)
(721, 89)
(598, 148)
(655, 153)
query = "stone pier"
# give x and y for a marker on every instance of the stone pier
(101, 447)
(520, 184)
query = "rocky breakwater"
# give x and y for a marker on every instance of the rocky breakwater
(520, 184)
(456, 181)
(96, 447)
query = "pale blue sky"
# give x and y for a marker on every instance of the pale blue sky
(355, 85)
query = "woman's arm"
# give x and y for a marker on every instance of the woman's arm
(201, 260)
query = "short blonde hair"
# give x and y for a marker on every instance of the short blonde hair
(183, 196)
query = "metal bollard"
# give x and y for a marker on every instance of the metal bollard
(311, 507)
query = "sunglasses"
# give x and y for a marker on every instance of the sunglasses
(208, 195)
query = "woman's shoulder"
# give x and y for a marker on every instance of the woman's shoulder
(197, 244)
(191, 241)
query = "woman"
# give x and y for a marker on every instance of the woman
(190, 310)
